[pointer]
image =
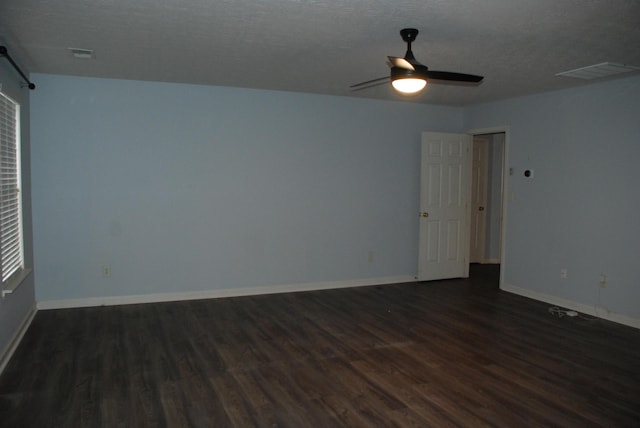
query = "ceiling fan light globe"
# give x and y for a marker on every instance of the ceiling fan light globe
(410, 85)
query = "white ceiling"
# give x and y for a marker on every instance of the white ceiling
(323, 46)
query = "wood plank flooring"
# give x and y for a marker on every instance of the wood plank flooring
(443, 353)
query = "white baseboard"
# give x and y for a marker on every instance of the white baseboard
(213, 294)
(569, 304)
(11, 347)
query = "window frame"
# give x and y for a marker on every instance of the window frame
(11, 221)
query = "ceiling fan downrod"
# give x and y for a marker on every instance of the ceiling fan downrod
(409, 35)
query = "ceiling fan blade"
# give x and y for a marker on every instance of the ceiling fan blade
(370, 82)
(372, 85)
(401, 63)
(456, 77)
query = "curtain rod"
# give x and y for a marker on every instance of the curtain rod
(5, 53)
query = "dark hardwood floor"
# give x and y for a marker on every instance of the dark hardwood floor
(443, 353)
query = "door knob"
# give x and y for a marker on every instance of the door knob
(480, 208)
(424, 214)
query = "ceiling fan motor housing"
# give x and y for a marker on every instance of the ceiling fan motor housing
(404, 73)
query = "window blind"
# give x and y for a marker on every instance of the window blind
(11, 243)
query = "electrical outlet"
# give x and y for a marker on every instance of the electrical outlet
(370, 257)
(603, 281)
(564, 273)
(106, 271)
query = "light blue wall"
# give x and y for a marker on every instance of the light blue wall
(189, 188)
(581, 211)
(14, 308)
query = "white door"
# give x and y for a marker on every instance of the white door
(444, 206)
(479, 183)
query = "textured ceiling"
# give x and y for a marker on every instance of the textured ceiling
(323, 46)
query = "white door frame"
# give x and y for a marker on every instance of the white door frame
(505, 186)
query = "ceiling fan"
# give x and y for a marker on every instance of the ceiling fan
(409, 76)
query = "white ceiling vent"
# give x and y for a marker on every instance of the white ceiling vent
(81, 53)
(598, 71)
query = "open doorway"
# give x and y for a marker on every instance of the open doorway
(487, 198)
